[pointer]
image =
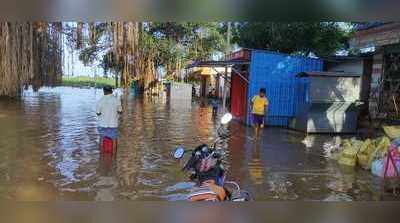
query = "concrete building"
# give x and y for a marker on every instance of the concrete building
(382, 40)
(353, 65)
(332, 103)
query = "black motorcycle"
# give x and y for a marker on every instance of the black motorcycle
(207, 171)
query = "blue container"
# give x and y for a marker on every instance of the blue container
(277, 74)
(277, 120)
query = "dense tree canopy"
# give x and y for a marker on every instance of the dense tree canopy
(172, 45)
(178, 43)
(135, 50)
(321, 38)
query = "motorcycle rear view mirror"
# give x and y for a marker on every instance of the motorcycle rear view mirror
(179, 152)
(226, 118)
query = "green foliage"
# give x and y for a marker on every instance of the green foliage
(93, 45)
(209, 40)
(88, 55)
(84, 81)
(185, 41)
(321, 38)
(109, 62)
(174, 44)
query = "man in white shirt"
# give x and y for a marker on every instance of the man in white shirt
(108, 110)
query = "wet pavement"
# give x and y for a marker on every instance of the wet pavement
(49, 151)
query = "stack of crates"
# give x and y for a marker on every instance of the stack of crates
(277, 74)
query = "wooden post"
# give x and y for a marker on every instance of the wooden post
(225, 90)
(217, 85)
(226, 67)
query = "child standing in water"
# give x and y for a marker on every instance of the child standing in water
(259, 105)
(214, 104)
(108, 110)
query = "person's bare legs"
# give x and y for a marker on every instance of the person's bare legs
(115, 145)
(256, 129)
(101, 144)
(101, 155)
(261, 129)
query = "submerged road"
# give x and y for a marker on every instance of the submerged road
(49, 151)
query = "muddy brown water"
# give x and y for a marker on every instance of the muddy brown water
(49, 151)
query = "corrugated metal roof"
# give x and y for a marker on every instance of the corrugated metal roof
(327, 74)
(369, 25)
(217, 63)
(347, 58)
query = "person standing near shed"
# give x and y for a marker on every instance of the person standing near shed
(108, 110)
(259, 105)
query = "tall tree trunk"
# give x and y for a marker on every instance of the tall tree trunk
(30, 54)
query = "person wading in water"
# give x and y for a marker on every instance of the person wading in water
(259, 105)
(108, 110)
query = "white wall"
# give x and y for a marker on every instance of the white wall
(335, 89)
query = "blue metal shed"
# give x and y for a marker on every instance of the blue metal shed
(277, 73)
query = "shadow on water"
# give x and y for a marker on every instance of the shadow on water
(49, 151)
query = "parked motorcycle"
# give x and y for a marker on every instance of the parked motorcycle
(207, 171)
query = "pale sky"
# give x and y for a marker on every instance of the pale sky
(78, 69)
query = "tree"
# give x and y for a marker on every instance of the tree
(95, 43)
(180, 43)
(321, 38)
(30, 54)
(170, 45)
(109, 63)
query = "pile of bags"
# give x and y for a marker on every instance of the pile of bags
(379, 166)
(370, 155)
(348, 156)
(392, 131)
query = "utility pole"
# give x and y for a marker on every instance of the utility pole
(227, 50)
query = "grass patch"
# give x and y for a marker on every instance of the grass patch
(83, 81)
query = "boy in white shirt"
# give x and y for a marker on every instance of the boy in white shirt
(108, 110)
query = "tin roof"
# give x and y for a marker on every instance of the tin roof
(369, 25)
(217, 63)
(327, 74)
(339, 58)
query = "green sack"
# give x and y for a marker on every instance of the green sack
(392, 131)
(381, 148)
(364, 154)
(347, 161)
(348, 156)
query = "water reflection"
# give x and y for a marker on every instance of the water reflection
(49, 151)
(256, 167)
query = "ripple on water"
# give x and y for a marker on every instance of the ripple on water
(52, 135)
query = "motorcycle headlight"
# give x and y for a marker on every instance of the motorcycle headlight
(204, 149)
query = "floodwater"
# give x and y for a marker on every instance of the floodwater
(49, 151)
